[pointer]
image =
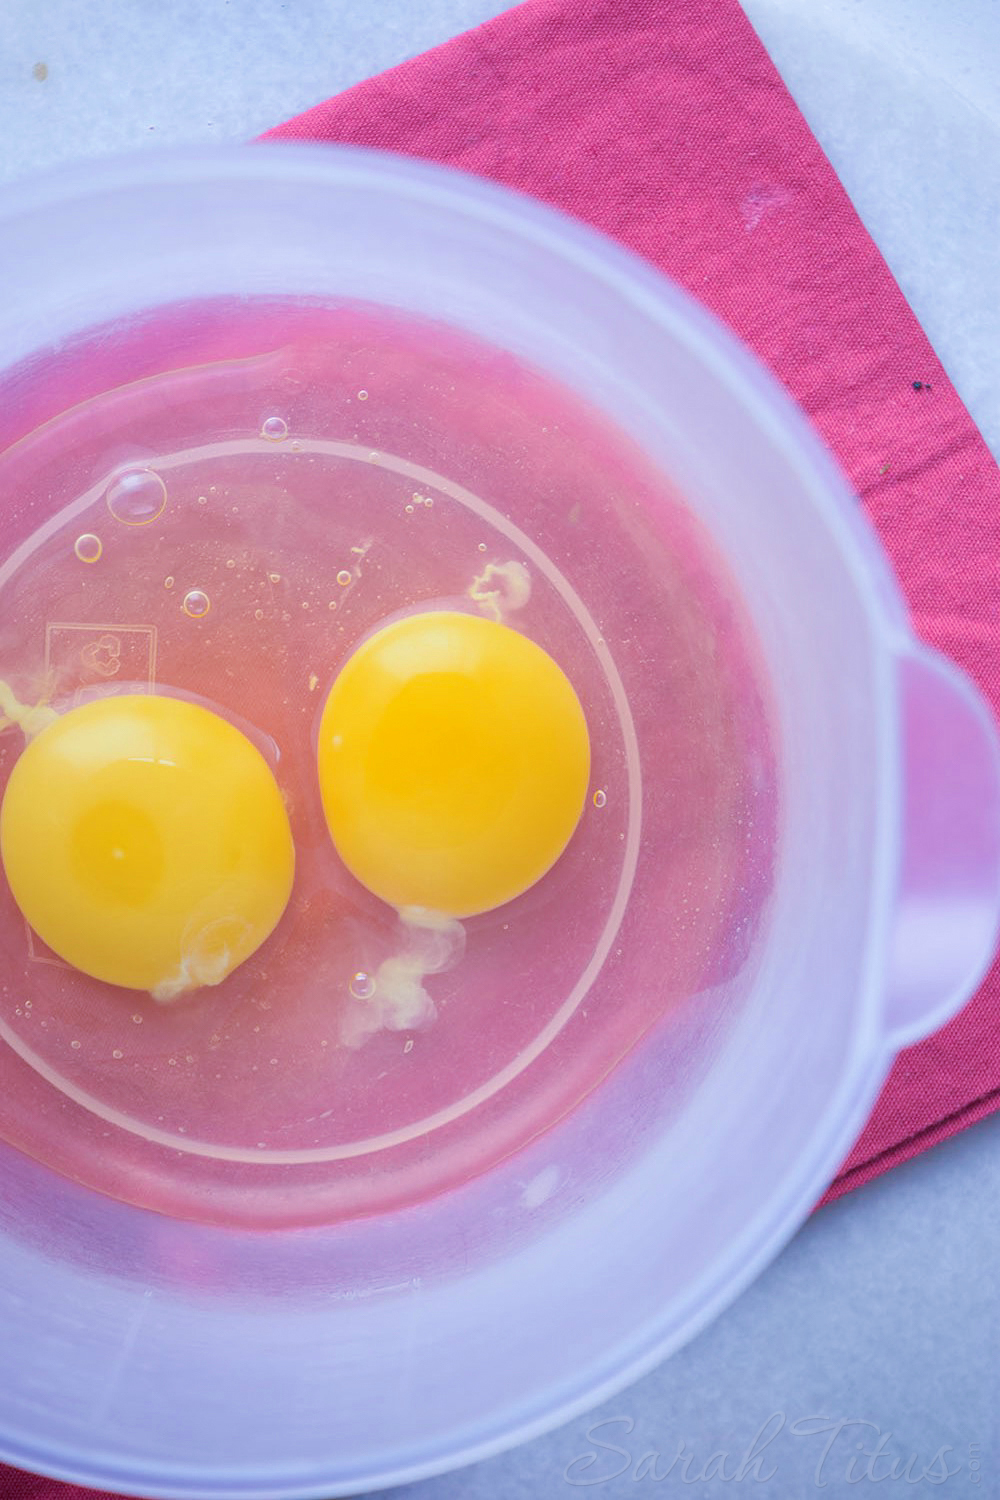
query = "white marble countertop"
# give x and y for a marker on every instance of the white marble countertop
(904, 96)
(883, 1315)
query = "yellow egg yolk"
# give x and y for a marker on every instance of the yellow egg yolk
(453, 763)
(146, 842)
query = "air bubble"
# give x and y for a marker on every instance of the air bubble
(230, 562)
(202, 499)
(362, 395)
(428, 501)
(332, 604)
(258, 614)
(274, 577)
(136, 497)
(168, 582)
(196, 604)
(117, 1052)
(362, 986)
(482, 546)
(409, 510)
(274, 429)
(343, 578)
(600, 799)
(76, 1046)
(137, 1019)
(88, 547)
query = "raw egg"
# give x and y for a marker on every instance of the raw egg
(453, 763)
(145, 840)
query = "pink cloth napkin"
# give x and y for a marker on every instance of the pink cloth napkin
(668, 127)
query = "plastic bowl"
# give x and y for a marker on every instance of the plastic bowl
(799, 871)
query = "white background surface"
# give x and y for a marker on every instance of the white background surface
(884, 1313)
(904, 96)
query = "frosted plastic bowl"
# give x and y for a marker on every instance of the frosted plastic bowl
(809, 834)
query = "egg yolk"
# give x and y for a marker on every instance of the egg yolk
(453, 763)
(146, 842)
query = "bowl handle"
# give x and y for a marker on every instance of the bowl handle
(948, 902)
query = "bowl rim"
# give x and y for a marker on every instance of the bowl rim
(668, 308)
